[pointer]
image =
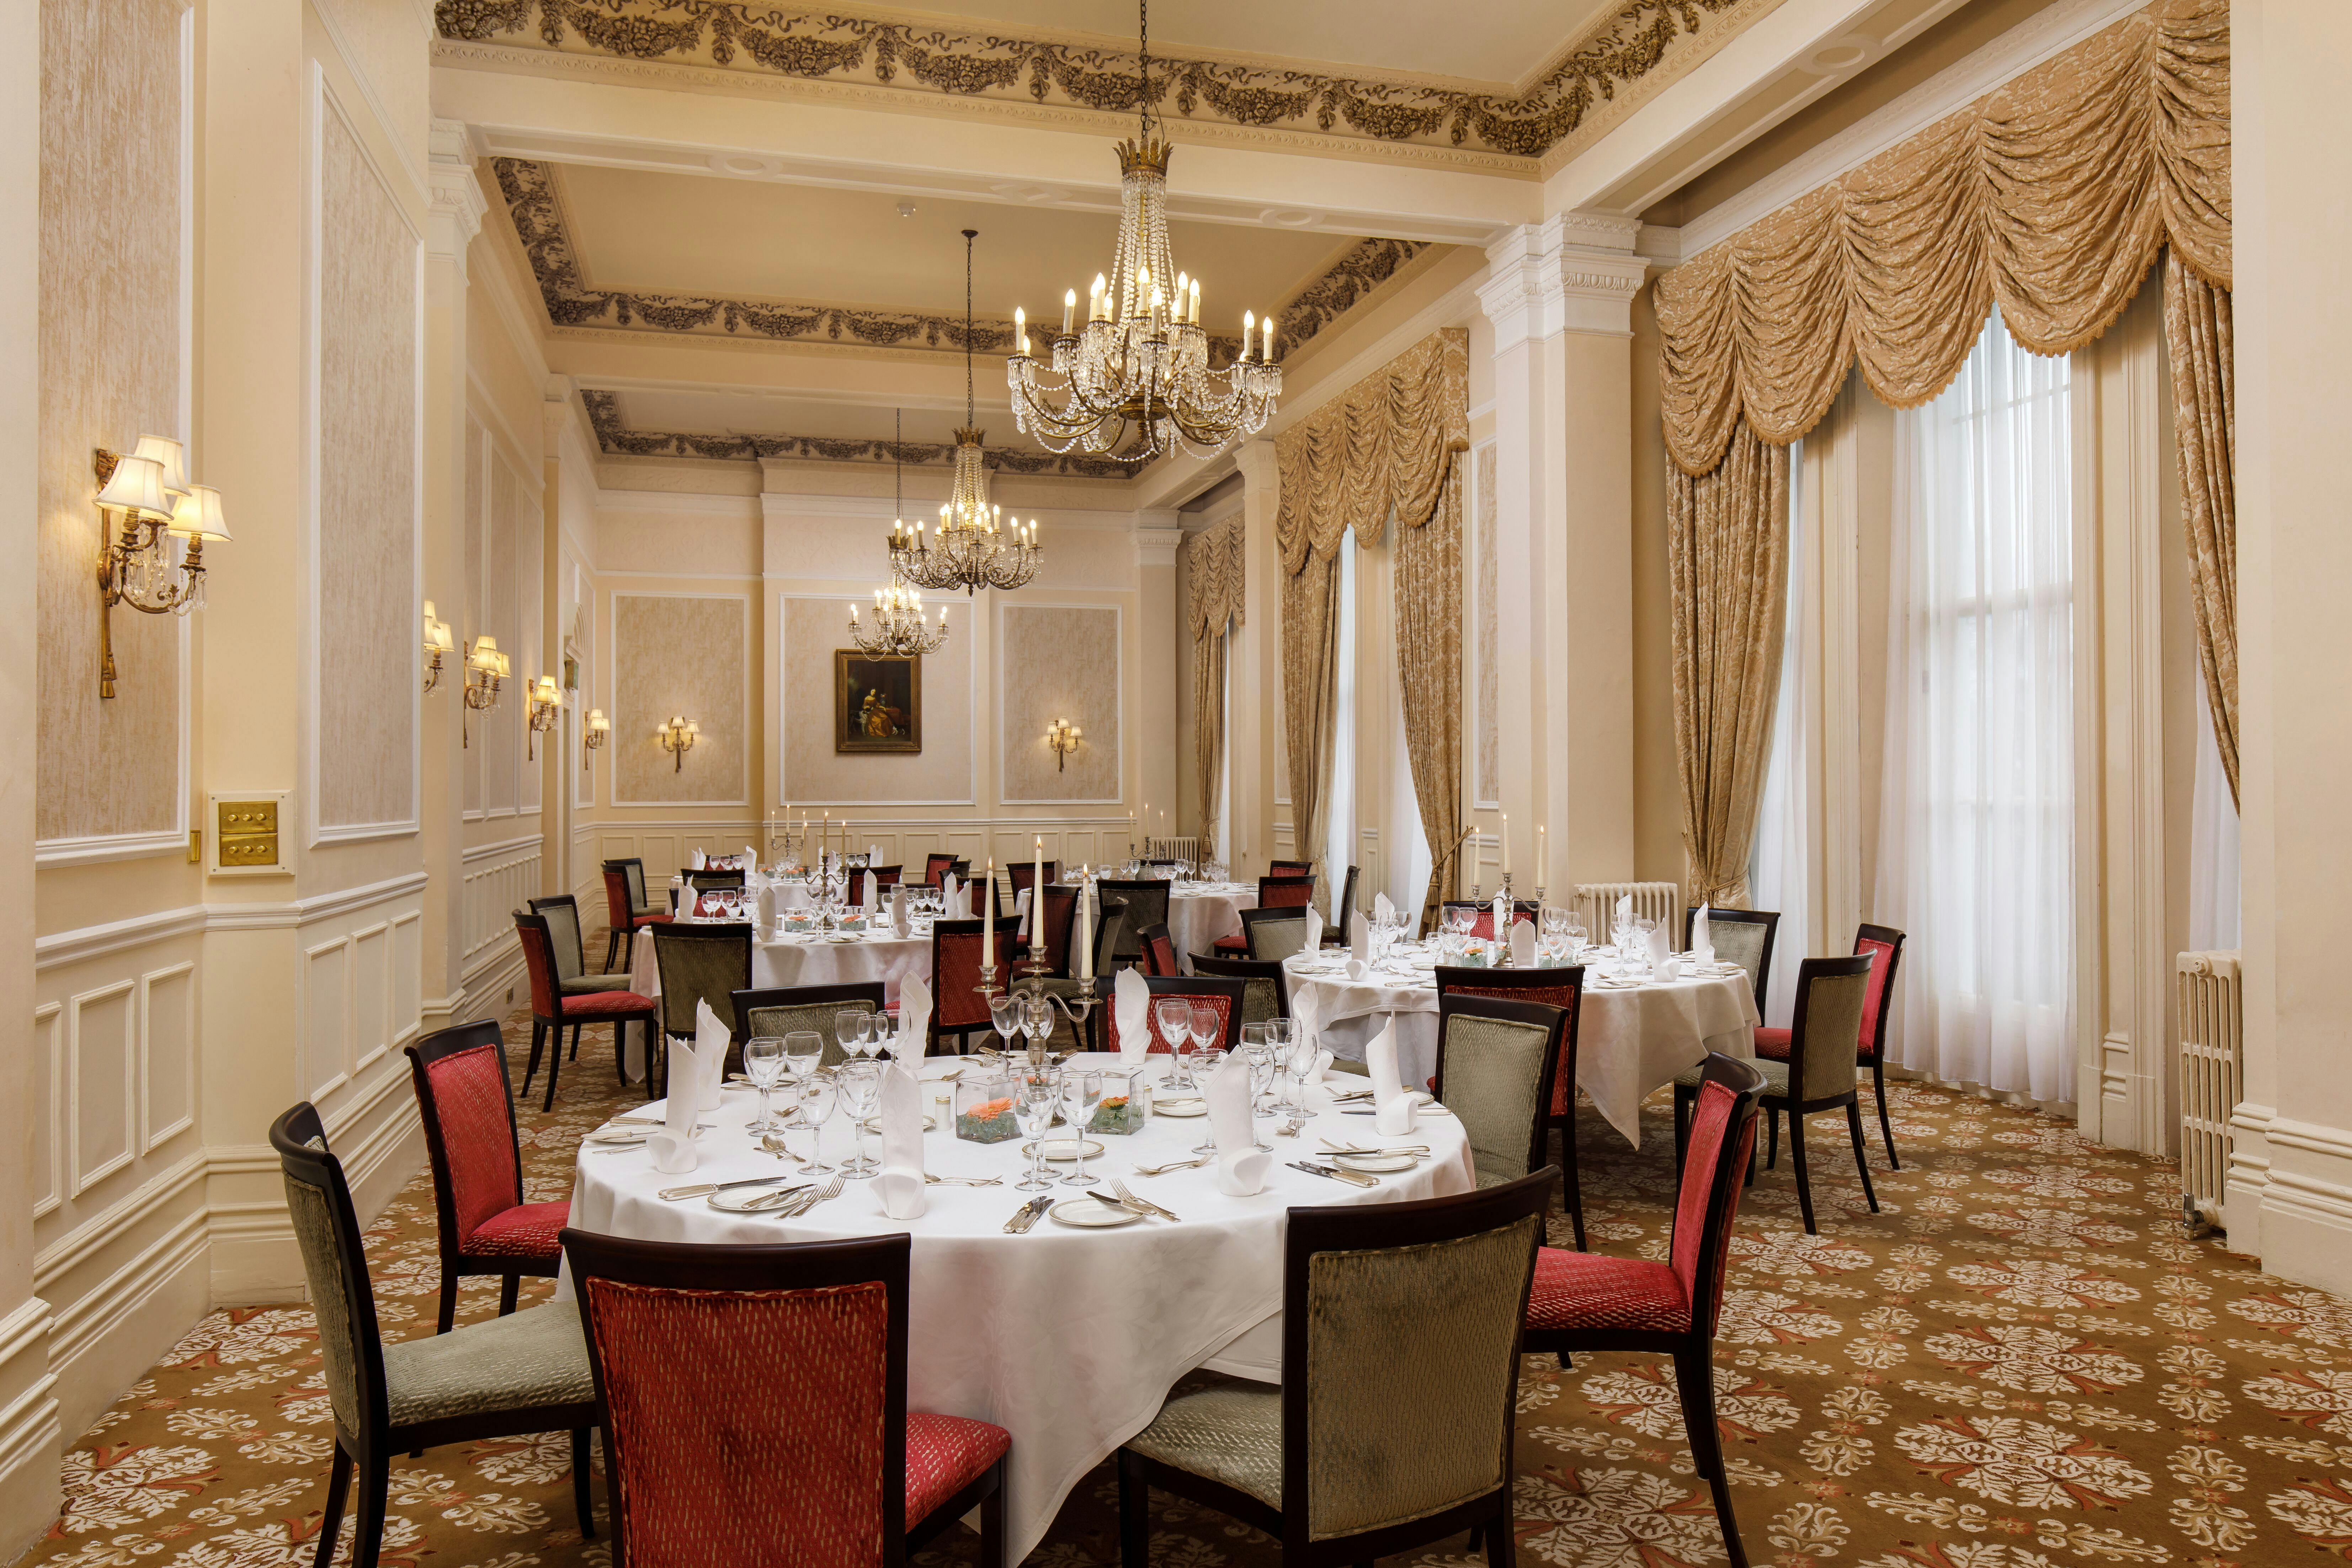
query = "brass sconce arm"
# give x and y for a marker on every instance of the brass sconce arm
(144, 500)
(1063, 736)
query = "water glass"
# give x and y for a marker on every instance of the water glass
(1082, 1093)
(849, 1028)
(1036, 1096)
(763, 1064)
(1205, 1065)
(1172, 1019)
(1038, 1019)
(861, 1089)
(817, 1095)
(1303, 1053)
(803, 1049)
(1005, 1014)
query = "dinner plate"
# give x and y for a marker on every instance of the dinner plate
(1062, 1151)
(630, 1136)
(742, 1200)
(1086, 1214)
(874, 1124)
(1184, 1107)
(1375, 1163)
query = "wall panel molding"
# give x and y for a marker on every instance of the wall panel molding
(680, 676)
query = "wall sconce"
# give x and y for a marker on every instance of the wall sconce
(546, 702)
(677, 738)
(1063, 736)
(486, 668)
(151, 491)
(599, 730)
(437, 641)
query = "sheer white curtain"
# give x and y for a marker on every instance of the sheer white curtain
(1339, 848)
(2213, 845)
(1977, 861)
(1779, 863)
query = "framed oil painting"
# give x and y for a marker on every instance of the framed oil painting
(877, 701)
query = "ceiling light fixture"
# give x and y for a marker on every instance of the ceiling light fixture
(1141, 360)
(978, 546)
(897, 627)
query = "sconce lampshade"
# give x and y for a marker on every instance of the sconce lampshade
(544, 691)
(172, 456)
(485, 656)
(441, 639)
(197, 515)
(597, 721)
(137, 486)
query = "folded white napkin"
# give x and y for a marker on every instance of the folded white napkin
(1703, 936)
(767, 906)
(1662, 947)
(1241, 1164)
(1314, 930)
(901, 923)
(1502, 923)
(866, 892)
(695, 1073)
(694, 858)
(1671, 969)
(899, 1183)
(1130, 1001)
(710, 1035)
(1523, 944)
(914, 1018)
(874, 853)
(1360, 941)
(1624, 919)
(1382, 909)
(1303, 1019)
(1393, 1107)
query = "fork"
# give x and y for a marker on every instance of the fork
(1178, 1165)
(832, 1191)
(964, 1181)
(1131, 1201)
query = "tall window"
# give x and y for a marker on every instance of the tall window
(1778, 864)
(1979, 864)
(1337, 849)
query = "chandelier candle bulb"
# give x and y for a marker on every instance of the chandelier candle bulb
(1268, 355)
(1069, 309)
(1249, 331)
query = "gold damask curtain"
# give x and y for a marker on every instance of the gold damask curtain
(1387, 447)
(1213, 601)
(2052, 197)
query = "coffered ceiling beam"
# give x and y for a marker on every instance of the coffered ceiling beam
(1786, 59)
(729, 136)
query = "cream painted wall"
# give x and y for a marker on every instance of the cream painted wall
(810, 771)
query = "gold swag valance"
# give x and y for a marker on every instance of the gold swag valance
(1214, 571)
(1388, 442)
(2050, 198)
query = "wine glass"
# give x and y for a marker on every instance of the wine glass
(1005, 1013)
(1207, 1028)
(803, 1049)
(849, 1028)
(1035, 1098)
(1264, 1067)
(1171, 1019)
(763, 1064)
(861, 1089)
(817, 1096)
(1206, 1063)
(1038, 1019)
(1301, 1064)
(1082, 1093)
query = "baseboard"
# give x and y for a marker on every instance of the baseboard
(487, 989)
(107, 1339)
(2307, 1204)
(32, 1436)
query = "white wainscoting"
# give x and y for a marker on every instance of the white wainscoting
(501, 878)
(904, 840)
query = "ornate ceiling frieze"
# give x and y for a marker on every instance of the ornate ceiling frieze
(729, 35)
(529, 190)
(614, 438)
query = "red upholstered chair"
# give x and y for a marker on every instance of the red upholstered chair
(1061, 922)
(1560, 988)
(812, 1459)
(1227, 996)
(463, 1095)
(936, 867)
(1273, 893)
(1159, 952)
(958, 1008)
(1290, 867)
(626, 907)
(552, 1012)
(1884, 944)
(1485, 930)
(1587, 1301)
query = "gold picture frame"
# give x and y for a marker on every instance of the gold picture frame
(877, 702)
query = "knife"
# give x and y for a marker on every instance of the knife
(1335, 1174)
(1024, 1216)
(705, 1189)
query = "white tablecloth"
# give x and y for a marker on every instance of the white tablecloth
(796, 961)
(1628, 1041)
(1069, 1339)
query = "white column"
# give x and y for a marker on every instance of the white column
(1157, 535)
(454, 218)
(1254, 672)
(1560, 294)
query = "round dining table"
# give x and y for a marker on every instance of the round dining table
(1632, 1036)
(797, 958)
(1068, 1338)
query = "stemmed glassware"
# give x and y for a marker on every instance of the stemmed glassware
(1036, 1020)
(1035, 1098)
(817, 1096)
(849, 1027)
(1206, 1062)
(763, 1064)
(1207, 1028)
(861, 1087)
(1278, 1033)
(1302, 1068)
(1004, 1010)
(1082, 1092)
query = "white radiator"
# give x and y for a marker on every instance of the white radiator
(1596, 905)
(2213, 1064)
(1171, 848)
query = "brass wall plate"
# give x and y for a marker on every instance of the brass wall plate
(246, 834)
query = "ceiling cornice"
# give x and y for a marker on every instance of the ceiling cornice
(912, 61)
(615, 438)
(535, 206)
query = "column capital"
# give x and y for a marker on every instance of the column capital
(1256, 462)
(1158, 532)
(1573, 272)
(459, 203)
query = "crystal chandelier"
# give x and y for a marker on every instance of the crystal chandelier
(977, 545)
(897, 627)
(1140, 363)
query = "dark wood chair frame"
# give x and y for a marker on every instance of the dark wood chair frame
(1769, 918)
(1692, 1350)
(540, 907)
(791, 1265)
(1454, 982)
(1335, 934)
(1290, 867)
(1251, 919)
(1347, 1228)
(370, 1449)
(548, 1030)
(1161, 985)
(1554, 1021)
(621, 942)
(1774, 1105)
(1893, 939)
(1156, 938)
(1008, 930)
(456, 1265)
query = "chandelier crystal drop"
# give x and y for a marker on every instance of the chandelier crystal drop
(1133, 381)
(977, 546)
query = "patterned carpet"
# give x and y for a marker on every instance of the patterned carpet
(2019, 1364)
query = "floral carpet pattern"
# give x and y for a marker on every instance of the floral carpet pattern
(2018, 1364)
